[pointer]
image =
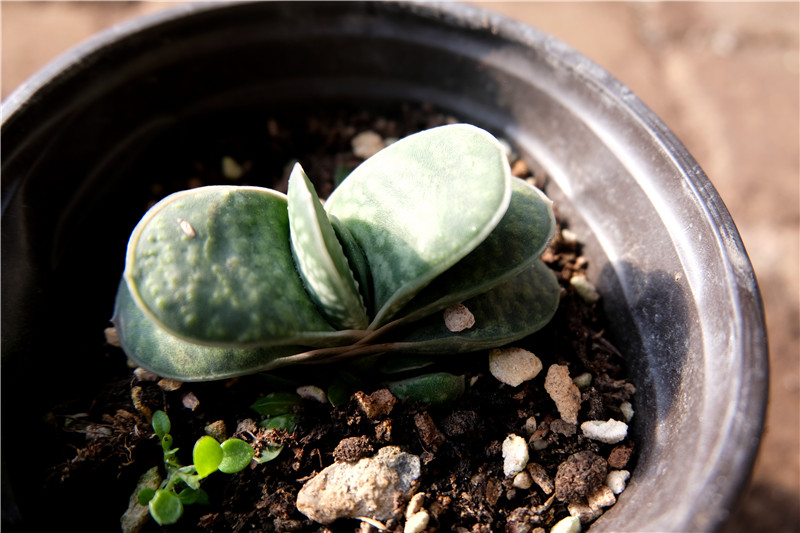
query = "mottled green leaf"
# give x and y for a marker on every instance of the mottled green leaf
(506, 313)
(168, 356)
(518, 240)
(319, 257)
(214, 265)
(397, 363)
(357, 261)
(420, 205)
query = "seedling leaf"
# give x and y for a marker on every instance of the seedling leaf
(207, 456)
(236, 455)
(161, 423)
(165, 507)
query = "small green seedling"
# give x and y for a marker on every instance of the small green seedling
(182, 485)
(222, 281)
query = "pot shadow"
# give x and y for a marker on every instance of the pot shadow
(650, 320)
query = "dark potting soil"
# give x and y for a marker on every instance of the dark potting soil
(106, 441)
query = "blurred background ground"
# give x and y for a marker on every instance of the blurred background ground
(722, 75)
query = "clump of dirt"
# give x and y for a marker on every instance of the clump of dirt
(463, 483)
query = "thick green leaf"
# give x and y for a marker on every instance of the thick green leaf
(168, 356)
(214, 265)
(276, 403)
(319, 257)
(165, 507)
(236, 455)
(506, 313)
(420, 205)
(357, 261)
(518, 240)
(439, 388)
(206, 455)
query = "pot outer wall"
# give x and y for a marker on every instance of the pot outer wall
(679, 290)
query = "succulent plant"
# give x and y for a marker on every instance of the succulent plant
(222, 281)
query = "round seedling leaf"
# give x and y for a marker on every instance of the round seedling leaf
(207, 456)
(213, 265)
(420, 205)
(161, 423)
(236, 455)
(145, 495)
(320, 258)
(165, 507)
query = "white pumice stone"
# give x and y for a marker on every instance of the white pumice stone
(617, 480)
(458, 318)
(610, 431)
(312, 392)
(415, 504)
(515, 455)
(627, 410)
(530, 425)
(231, 168)
(583, 380)
(523, 480)
(513, 366)
(563, 392)
(417, 523)
(366, 144)
(602, 497)
(569, 524)
(585, 289)
(583, 513)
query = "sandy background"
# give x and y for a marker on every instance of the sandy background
(723, 76)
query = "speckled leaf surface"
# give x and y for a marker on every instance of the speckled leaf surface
(320, 258)
(518, 240)
(506, 313)
(168, 356)
(214, 265)
(356, 260)
(420, 205)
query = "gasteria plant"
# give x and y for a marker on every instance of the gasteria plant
(222, 281)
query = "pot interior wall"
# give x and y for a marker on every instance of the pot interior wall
(75, 175)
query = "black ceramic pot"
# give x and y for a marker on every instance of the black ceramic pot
(678, 287)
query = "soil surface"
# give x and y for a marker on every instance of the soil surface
(107, 440)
